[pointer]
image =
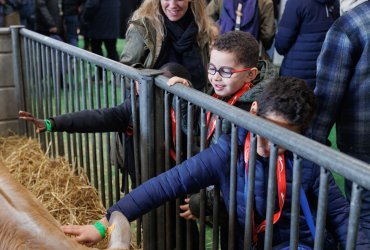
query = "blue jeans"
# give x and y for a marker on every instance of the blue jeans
(71, 23)
(365, 197)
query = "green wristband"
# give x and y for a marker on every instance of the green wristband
(101, 228)
(48, 125)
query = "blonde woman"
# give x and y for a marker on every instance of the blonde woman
(162, 31)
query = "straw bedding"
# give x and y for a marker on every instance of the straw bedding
(67, 196)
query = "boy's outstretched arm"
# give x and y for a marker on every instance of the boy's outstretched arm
(202, 170)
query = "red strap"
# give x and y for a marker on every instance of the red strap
(212, 126)
(281, 182)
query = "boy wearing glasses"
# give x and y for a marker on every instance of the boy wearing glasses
(232, 71)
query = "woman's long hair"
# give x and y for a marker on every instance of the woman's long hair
(152, 11)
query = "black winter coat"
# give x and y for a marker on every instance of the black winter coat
(70, 7)
(102, 18)
(48, 16)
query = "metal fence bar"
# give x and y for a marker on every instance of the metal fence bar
(135, 126)
(167, 140)
(354, 215)
(17, 73)
(232, 204)
(321, 209)
(296, 188)
(250, 195)
(271, 192)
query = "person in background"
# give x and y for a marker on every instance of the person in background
(300, 35)
(48, 18)
(343, 89)
(102, 21)
(287, 102)
(70, 17)
(162, 31)
(256, 17)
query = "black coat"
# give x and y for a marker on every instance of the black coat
(70, 7)
(102, 19)
(48, 16)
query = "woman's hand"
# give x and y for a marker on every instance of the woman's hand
(187, 212)
(87, 235)
(177, 79)
(40, 124)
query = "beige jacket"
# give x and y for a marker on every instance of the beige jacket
(143, 45)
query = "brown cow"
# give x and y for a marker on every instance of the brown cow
(26, 224)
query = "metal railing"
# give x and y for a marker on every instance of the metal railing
(55, 78)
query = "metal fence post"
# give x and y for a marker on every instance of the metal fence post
(146, 117)
(18, 74)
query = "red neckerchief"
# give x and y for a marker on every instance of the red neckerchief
(281, 182)
(212, 125)
(232, 101)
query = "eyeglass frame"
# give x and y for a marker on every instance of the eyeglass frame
(232, 71)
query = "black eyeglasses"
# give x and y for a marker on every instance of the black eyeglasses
(224, 71)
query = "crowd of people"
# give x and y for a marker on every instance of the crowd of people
(218, 47)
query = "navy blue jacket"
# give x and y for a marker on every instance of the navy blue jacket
(211, 167)
(102, 18)
(301, 33)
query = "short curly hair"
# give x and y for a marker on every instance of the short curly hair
(290, 97)
(242, 44)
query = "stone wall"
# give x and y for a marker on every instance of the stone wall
(8, 99)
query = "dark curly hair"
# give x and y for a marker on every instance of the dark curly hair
(289, 97)
(242, 44)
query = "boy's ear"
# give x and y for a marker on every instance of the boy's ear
(253, 73)
(254, 108)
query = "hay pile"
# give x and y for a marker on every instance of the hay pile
(68, 197)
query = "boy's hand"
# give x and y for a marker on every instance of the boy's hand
(177, 79)
(40, 124)
(187, 212)
(87, 235)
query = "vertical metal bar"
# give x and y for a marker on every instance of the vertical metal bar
(250, 195)
(57, 75)
(116, 169)
(189, 148)
(271, 193)
(147, 152)
(86, 145)
(167, 148)
(75, 73)
(107, 145)
(296, 188)
(321, 209)
(354, 216)
(100, 138)
(233, 172)
(93, 137)
(180, 223)
(33, 85)
(51, 98)
(216, 198)
(136, 129)
(18, 74)
(27, 82)
(65, 97)
(44, 101)
(70, 88)
(40, 109)
(159, 160)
